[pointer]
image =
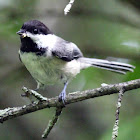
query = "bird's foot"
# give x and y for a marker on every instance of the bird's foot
(62, 97)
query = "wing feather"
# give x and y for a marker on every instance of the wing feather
(66, 51)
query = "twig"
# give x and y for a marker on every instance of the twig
(29, 93)
(68, 7)
(14, 112)
(118, 105)
(52, 122)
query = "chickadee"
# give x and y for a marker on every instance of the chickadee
(50, 59)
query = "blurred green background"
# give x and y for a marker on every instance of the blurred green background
(108, 29)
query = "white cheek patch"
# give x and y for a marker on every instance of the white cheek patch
(44, 41)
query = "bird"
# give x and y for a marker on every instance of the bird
(52, 60)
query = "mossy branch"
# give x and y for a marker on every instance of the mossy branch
(52, 122)
(13, 112)
(42, 102)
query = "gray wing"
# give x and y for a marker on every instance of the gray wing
(66, 51)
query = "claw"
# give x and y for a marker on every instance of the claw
(62, 95)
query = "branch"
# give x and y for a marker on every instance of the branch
(14, 112)
(68, 7)
(31, 93)
(116, 125)
(52, 122)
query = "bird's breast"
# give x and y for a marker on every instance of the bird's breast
(44, 70)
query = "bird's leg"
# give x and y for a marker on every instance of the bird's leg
(39, 86)
(62, 95)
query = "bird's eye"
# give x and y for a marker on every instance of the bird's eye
(35, 31)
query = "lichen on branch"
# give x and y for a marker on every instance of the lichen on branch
(10, 113)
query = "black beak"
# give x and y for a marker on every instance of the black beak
(20, 32)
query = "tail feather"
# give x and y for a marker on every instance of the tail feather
(108, 65)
